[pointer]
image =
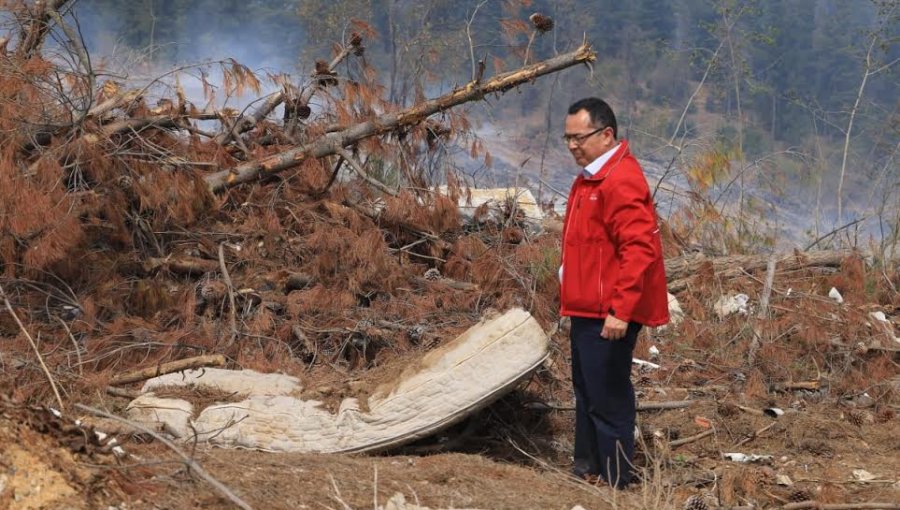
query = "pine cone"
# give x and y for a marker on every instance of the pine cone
(726, 409)
(432, 274)
(324, 74)
(356, 44)
(799, 495)
(856, 417)
(541, 23)
(695, 503)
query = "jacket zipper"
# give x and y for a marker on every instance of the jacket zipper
(568, 228)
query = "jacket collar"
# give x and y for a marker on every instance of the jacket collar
(620, 153)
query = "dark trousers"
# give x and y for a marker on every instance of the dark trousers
(604, 401)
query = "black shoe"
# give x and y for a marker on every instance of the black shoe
(588, 477)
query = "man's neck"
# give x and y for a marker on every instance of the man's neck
(595, 166)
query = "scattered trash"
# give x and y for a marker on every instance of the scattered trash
(879, 316)
(784, 480)
(654, 352)
(703, 422)
(863, 476)
(774, 412)
(727, 305)
(745, 458)
(643, 363)
(835, 295)
(885, 323)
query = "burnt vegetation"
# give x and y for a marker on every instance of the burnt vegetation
(138, 228)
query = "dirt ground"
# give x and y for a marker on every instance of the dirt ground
(512, 455)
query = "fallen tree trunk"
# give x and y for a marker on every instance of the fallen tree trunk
(681, 270)
(331, 143)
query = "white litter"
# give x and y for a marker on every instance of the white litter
(744, 458)
(835, 295)
(879, 316)
(784, 480)
(885, 323)
(863, 476)
(642, 363)
(728, 305)
(654, 352)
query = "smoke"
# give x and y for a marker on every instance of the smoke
(139, 42)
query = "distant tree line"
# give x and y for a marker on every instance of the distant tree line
(791, 67)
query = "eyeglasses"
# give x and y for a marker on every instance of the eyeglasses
(578, 140)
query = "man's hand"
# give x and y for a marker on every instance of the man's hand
(613, 328)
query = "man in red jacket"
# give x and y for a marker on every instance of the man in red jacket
(613, 282)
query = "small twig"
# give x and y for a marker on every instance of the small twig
(337, 167)
(755, 434)
(469, 37)
(835, 231)
(799, 385)
(230, 285)
(33, 346)
(189, 462)
(337, 493)
(122, 393)
(656, 406)
(641, 406)
(74, 343)
(751, 410)
(528, 47)
(212, 360)
(375, 487)
(363, 174)
(767, 288)
(691, 439)
(551, 188)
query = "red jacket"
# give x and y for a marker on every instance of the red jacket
(612, 252)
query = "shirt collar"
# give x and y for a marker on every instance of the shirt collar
(597, 164)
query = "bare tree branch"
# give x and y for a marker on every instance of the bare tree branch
(36, 28)
(332, 142)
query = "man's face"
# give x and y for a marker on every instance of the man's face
(585, 141)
